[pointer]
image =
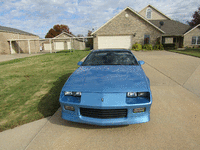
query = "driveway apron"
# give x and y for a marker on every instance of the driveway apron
(175, 119)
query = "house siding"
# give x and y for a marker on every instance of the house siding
(155, 14)
(95, 42)
(130, 25)
(188, 37)
(17, 46)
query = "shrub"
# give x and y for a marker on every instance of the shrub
(148, 47)
(158, 47)
(169, 46)
(143, 47)
(136, 47)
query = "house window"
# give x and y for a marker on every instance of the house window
(168, 40)
(148, 13)
(196, 40)
(146, 39)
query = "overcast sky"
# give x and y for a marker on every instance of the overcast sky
(38, 16)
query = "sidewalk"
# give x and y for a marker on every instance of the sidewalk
(16, 56)
(20, 137)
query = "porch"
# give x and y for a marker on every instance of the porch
(176, 41)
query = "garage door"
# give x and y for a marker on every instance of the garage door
(47, 46)
(59, 45)
(114, 42)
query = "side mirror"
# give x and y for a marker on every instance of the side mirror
(79, 63)
(141, 62)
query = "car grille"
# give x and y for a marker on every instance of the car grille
(103, 113)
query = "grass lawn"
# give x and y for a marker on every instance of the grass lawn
(30, 87)
(191, 52)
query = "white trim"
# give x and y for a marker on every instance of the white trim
(29, 47)
(50, 46)
(192, 29)
(156, 10)
(134, 13)
(11, 47)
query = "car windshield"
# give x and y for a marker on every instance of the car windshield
(110, 58)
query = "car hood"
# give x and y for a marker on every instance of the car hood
(107, 79)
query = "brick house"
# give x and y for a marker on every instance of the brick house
(64, 41)
(7, 46)
(145, 27)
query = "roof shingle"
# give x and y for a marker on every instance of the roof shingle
(8, 29)
(171, 27)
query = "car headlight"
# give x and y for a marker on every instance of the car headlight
(137, 94)
(69, 93)
(76, 93)
(143, 94)
(131, 94)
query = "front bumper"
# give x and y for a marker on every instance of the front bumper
(132, 118)
(112, 101)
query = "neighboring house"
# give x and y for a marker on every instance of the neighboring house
(64, 41)
(7, 46)
(146, 27)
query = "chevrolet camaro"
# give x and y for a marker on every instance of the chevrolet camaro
(109, 88)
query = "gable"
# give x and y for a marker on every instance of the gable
(195, 29)
(155, 14)
(63, 35)
(126, 22)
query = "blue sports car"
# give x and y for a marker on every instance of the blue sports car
(109, 88)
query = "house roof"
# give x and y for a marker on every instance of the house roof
(156, 10)
(62, 34)
(172, 27)
(70, 36)
(134, 13)
(13, 30)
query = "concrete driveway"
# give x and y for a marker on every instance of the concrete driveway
(175, 118)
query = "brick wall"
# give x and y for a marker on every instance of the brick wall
(17, 46)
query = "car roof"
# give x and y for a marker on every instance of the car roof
(103, 50)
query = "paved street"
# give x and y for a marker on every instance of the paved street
(175, 119)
